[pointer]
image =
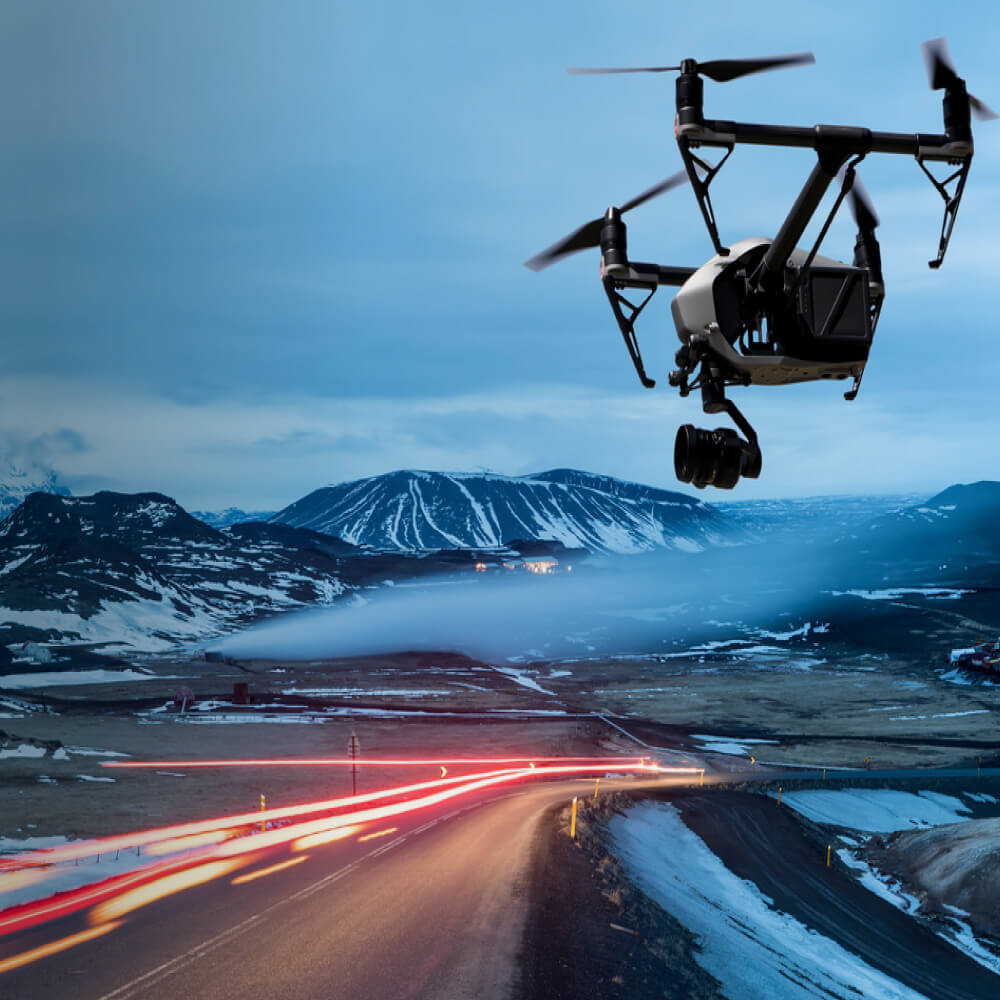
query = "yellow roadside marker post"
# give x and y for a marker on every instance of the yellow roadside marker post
(779, 795)
(828, 855)
(701, 779)
(597, 784)
(572, 822)
(263, 806)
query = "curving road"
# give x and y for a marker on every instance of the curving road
(433, 910)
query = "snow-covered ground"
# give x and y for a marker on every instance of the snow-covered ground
(882, 810)
(52, 678)
(755, 951)
(876, 810)
(736, 745)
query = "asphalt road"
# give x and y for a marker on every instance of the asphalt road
(436, 909)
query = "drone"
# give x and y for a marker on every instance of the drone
(764, 311)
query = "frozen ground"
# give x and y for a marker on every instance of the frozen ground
(754, 950)
(876, 810)
(953, 862)
(57, 678)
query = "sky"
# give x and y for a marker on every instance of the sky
(252, 248)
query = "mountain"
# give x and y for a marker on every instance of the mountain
(412, 511)
(138, 569)
(812, 519)
(231, 515)
(16, 484)
(954, 534)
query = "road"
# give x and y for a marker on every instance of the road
(764, 843)
(435, 906)
(435, 909)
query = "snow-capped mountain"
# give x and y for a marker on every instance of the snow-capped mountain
(16, 484)
(136, 570)
(231, 515)
(139, 569)
(410, 511)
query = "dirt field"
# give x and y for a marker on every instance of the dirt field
(434, 705)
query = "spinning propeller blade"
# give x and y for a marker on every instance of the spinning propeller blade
(589, 234)
(720, 70)
(942, 75)
(723, 70)
(862, 206)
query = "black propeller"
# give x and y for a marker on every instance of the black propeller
(720, 70)
(862, 207)
(941, 75)
(589, 235)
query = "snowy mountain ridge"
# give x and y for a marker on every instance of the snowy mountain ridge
(16, 484)
(418, 510)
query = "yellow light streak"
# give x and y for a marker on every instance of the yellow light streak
(160, 888)
(324, 837)
(175, 844)
(54, 947)
(261, 872)
(377, 834)
(9, 881)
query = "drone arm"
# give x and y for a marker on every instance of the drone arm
(831, 156)
(634, 274)
(928, 146)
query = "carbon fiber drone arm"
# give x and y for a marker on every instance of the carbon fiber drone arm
(643, 276)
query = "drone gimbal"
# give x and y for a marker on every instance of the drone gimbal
(763, 311)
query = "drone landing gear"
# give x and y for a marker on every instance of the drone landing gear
(716, 458)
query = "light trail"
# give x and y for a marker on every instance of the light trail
(143, 895)
(270, 870)
(54, 947)
(207, 858)
(104, 845)
(138, 839)
(377, 834)
(347, 762)
(324, 837)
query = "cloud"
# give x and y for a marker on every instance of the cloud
(218, 453)
(41, 450)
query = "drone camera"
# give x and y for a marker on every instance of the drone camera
(714, 458)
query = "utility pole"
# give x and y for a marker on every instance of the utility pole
(354, 751)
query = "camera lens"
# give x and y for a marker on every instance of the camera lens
(708, 458)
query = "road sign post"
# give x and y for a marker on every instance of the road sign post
(354, 752)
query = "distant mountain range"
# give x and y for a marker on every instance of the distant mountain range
(953, 536)
(231, 515)
(16, 484)
(137, 571)
(412, 511)
(137, 568)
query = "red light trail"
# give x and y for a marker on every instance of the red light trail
(209, 849)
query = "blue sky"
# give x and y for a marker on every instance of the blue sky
(260, 247)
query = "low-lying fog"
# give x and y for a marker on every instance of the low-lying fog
(630, 606)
